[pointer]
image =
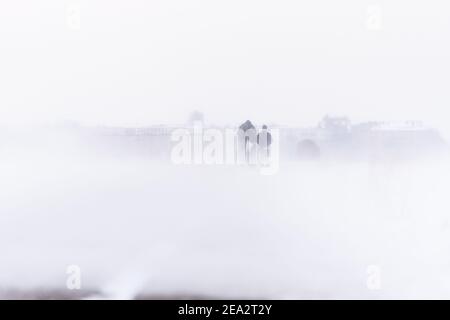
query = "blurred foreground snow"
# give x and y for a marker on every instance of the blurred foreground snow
(139, 227)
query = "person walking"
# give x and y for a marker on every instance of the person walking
(264, 140)
(246, 131)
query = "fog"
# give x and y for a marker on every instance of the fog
(139, 226)
(289, 62)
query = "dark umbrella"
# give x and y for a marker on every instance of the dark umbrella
(247, 125)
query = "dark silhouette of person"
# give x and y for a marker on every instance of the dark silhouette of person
(246, 130)
(264, 140)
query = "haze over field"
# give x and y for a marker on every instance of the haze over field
(137, 226)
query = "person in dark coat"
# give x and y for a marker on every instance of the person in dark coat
(246, 131)
(264, 140)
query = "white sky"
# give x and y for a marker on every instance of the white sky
(284, 61)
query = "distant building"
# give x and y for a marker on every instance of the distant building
(333, 137)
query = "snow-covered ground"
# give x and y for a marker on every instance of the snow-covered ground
(141, 227)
